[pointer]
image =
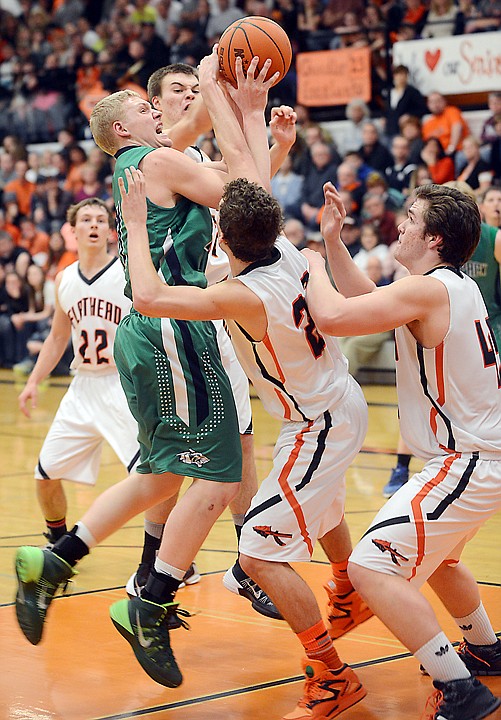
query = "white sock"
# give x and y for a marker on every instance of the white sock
(153, 529)
(476, 627)
(84, 534)
(441, 661)
(166, 569)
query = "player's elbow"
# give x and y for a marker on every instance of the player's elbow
(144, 302)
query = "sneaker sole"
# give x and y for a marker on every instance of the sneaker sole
(29, 568)
(120, 618)
(475, 673)
(232, 584)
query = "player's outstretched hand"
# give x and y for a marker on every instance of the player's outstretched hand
(134, 207)
(283, 125)
(208, 69)
(28, 398)
(251, 93)
(333, 215)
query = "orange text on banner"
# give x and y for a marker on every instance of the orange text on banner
(333, 77)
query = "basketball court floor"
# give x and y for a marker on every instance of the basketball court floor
(237, 664)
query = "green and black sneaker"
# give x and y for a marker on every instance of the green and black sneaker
(146, 625)
(39, 573)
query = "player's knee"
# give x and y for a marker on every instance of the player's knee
(251, 566)
(358, 576)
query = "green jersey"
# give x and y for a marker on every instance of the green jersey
(484, 269)
(179, 236)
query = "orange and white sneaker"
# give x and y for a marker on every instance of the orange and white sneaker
(327, 693)
(344, 612)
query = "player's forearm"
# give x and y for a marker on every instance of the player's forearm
(278, 153)
(324, 302)
(349, 279)
(229, 135)
(256, 136)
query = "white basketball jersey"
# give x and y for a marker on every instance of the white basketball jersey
(94, 308)
(218, 266)
(449, 396)
(297, 373)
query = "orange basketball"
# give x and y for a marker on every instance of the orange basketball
(250, 37)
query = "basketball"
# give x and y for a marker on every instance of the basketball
(250, 37)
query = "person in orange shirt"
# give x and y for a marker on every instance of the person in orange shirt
(34, 240)
(58, 256)
(446, 123)
(20, 189)
(440, 166)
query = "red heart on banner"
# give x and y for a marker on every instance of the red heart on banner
(432, 58)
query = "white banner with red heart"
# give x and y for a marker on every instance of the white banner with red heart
(452, 65)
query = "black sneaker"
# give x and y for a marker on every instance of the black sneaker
(138, 579)
(481, 659)
(236, 581)
(461, 700)
(39, 574)
(146, 625)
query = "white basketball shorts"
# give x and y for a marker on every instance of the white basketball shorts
(94, 409)
(238, 379)
(303, 496)
(431, 517)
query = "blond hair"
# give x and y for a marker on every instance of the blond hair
(105, 113)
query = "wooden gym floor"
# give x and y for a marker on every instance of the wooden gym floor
(237, 664)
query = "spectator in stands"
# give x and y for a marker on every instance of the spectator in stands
(7, 170)
(35, 322)
(13, 300)
(9, 227)
(472, 165)
(414, 15)
(321, 169)
(156, 50)
(441, 19)
(371, 246)
(20, 189)
(488, 133)
(347, 179)
(287, 188)
(51, 201)
(359, 349)
(294, 231)
(404, 99)
(446, 123)
(375, 212)
(393, 199)
(33, 240)
(350, 235)
(420, 176)
(373, 152)
(355, 158)
(143, 12)
(77, 157)
(312, 32)
(357, 112)
(398, 175)
(489, 204)
(495, 154)
(411, 129)
(187, 46)
(218, 22)
(488, 19)
(440, 166)
(169, 13)
(58, 257)
(91, 185)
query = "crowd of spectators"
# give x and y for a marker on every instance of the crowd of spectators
(57, 58)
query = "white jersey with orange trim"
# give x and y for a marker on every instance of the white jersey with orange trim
(449, 396)
(296, 372)
(94, 306)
